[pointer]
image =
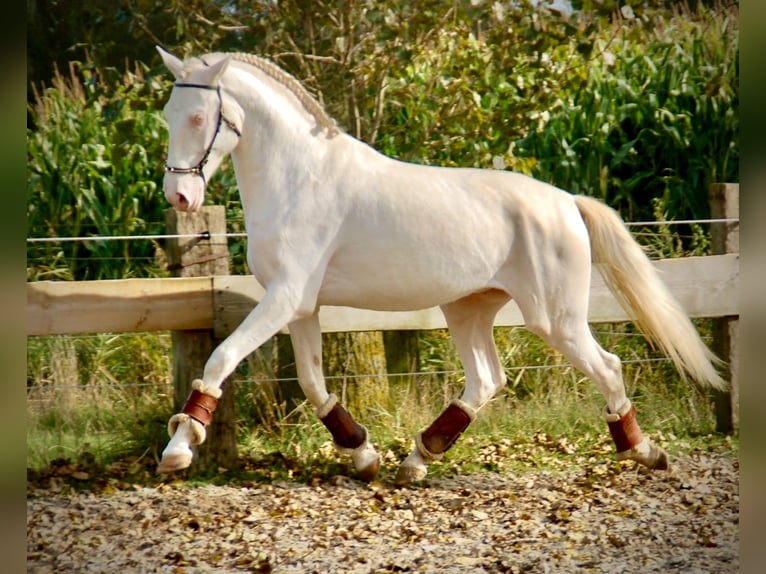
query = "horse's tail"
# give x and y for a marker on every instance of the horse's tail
(635, 283)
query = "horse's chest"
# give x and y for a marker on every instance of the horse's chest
(263, 256)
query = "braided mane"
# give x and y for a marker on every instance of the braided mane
(277, 74)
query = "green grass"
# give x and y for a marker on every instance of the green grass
(83, 412)
(104, 395)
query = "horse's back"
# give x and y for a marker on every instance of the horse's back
(419, 236)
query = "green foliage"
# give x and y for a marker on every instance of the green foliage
(106, 395)
(639, 112)
(93, 170)
(655, 118)
(636, 111)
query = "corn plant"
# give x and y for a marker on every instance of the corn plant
(655, 118)
(93, 170)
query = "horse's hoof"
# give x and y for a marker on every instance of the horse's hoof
(648, 454)
(173, 462)
(407, 474)
(659, 459)
(370, 472)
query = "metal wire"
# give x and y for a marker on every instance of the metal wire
(680, 222)
(254, 380)
(208, 235)
(203, 235)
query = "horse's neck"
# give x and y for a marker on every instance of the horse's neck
(277, 171)
(287, 160)
(284, 153)
(272, 158)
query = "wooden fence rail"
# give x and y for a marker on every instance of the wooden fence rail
(706, 287)
(211, 306)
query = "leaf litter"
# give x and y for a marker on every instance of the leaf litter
(602, 516)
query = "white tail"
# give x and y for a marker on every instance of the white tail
(635, 283)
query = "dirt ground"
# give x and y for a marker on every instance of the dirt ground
(609, 518)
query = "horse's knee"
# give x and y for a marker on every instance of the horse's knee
(222, 361)
(478, 393)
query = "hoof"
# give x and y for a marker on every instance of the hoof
(370, 472)
(659, 459)
(407, 474)
(648, 454)
(173, 462)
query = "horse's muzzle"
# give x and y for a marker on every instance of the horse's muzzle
(184, 192)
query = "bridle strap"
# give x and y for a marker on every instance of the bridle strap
(197, 169)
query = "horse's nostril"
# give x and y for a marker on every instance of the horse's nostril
(181, 198)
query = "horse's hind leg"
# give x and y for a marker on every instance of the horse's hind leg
(470, 321)
(349, 436)
(565, 328)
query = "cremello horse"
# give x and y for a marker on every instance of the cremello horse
(330, 221)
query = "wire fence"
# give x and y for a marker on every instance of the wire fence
(272, 380)
(347, 377)
(112, 418)
(48, 392)
(60, 257)
(56, 400)
(206, 235)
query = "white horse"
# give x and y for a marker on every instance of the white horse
(330, 221)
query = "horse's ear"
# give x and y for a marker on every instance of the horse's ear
(213, 73)
(174, 64)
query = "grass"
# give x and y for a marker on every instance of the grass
(83, 412)
(105, 396)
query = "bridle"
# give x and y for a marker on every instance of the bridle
(222, 119)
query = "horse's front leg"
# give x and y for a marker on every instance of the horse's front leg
(187, 428)
(470, 322)
(348, 435)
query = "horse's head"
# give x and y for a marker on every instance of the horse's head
(201, 132)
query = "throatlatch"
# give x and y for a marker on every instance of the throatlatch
(434, 441)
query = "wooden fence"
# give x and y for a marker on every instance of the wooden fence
(201, 310)
(705, 286)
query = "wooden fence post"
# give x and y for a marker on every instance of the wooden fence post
(402, 355)
(194, 257)
(724, 204)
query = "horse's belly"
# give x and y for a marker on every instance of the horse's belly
(382, 299)
(386, 285)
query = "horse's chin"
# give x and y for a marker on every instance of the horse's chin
(181, 205)
(184, 206)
